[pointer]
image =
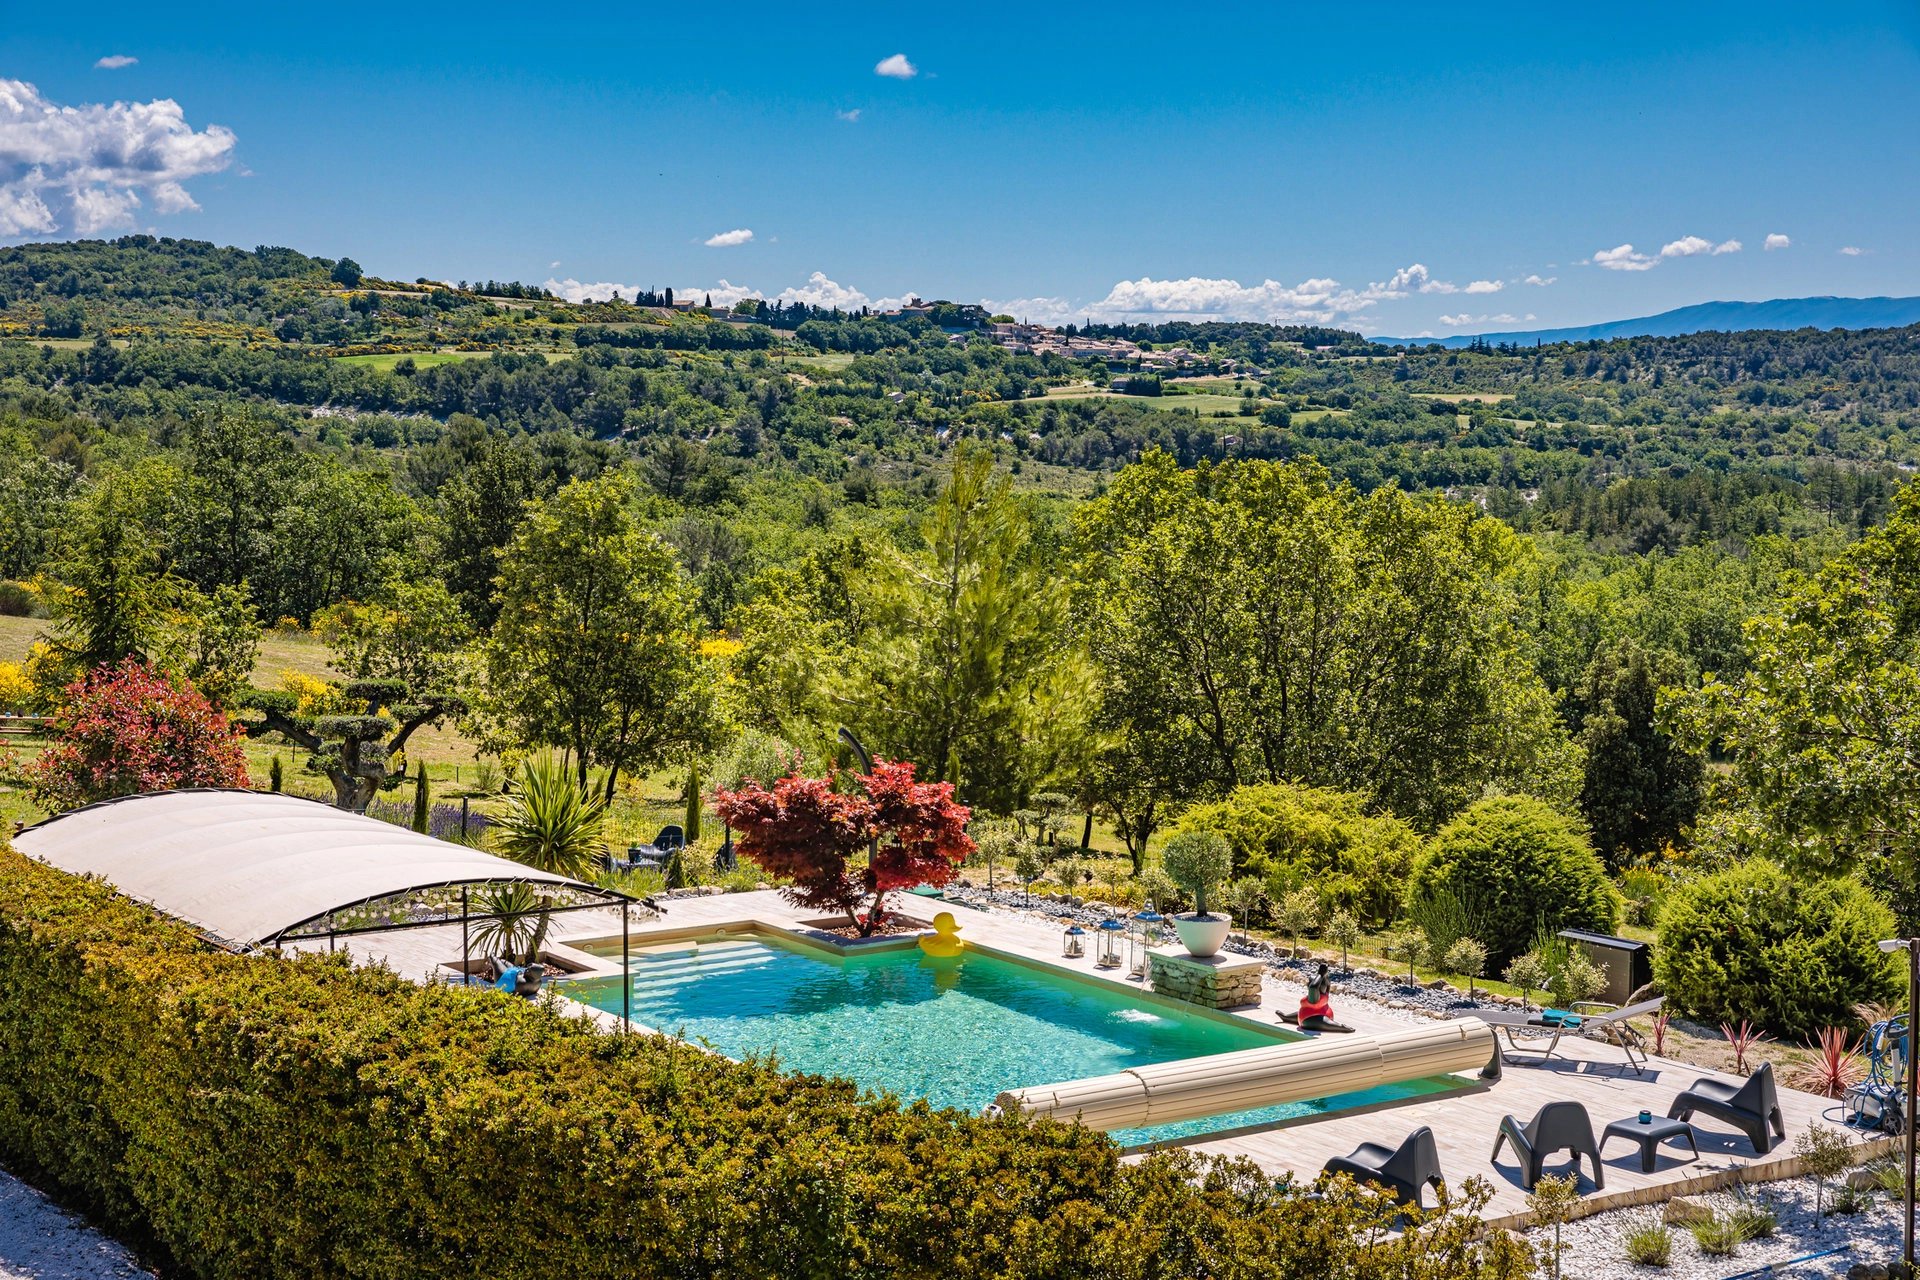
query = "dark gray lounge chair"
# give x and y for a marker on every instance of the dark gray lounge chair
(1752, 1107)
(1558, 1126)
(1406, 1171)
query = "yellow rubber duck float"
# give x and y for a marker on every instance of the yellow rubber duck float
(944, 941)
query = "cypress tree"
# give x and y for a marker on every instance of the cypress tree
(276, 777)
(420, 799)
(693, 803)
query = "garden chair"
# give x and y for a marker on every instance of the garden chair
(1558, 1126)
(1406, 1170)
(1613, 1027)
(1752, 1106)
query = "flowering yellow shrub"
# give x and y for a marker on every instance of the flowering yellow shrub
(719, 649)
(316, 697)
(16, 691)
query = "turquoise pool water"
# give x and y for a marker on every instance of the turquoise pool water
(955, 1032)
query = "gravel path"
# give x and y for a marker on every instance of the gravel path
(41, 1241)
(1594, 1247)
(1384, 989)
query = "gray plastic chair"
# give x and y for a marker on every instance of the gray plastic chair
(1558, 1126)
(1405, 1171)
(1752, 1107)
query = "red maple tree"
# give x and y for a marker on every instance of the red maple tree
(809, 834)
(127, 728)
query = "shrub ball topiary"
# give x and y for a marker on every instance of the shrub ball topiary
(1515, 866)
(1791, 953)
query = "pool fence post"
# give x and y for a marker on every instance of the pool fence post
(466, 957)
(626, 973)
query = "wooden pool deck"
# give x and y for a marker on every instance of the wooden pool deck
(1464, 1123)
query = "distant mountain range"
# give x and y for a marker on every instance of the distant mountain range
(1723, 317)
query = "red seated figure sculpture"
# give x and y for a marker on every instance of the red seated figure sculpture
(1316, 1007)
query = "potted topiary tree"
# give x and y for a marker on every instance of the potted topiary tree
(1197, 861)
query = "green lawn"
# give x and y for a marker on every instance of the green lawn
(422, 359)
(1203, 403)
(825, 362)
(1461, 397)
(68, 344)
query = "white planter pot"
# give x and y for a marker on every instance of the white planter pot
(1203, 935)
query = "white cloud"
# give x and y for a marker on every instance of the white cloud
(91, 163)
(1462, 320)
(572, 290)
(818, 291)
(23, 212)
(1485, 286)
(896, 67)
(1315, 301)
(1409, 279)
(1853, 250)
(1540, 282)
(1694, 246)
(727, 239)
(1048, 311)
(1686, 247)
(1777, 241)
(553, 265)
(1623, 258)
(115, 61)
(849, 116)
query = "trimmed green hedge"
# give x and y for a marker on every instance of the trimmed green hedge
(1793, 953)
(260, 1118)
(1515, 867)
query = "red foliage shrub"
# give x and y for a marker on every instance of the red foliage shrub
(806, 832)
(126, 729)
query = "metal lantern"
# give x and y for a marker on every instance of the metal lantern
(1073, 943)
(1141, 939)
(1110, 935)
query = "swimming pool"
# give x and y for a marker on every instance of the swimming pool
(955, 1032)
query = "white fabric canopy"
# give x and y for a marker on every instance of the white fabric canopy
(247, 866)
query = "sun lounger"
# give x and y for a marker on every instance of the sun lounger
(1558, 1126)
(1752, 1106)
(1614, 1027)
(1406, 1171)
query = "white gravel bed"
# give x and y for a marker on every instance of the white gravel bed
(41, 1241)
(1595, 1247)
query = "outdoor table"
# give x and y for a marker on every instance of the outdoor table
(1650, 1133)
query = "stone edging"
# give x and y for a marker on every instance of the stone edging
(1705, 1180)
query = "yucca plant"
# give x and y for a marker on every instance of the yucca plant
(552, 825)
(1835, 1067)
(515, 927)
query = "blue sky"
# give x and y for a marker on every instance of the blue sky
(1398, 170)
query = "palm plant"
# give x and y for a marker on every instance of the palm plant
(515, 923)
(552, 825)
